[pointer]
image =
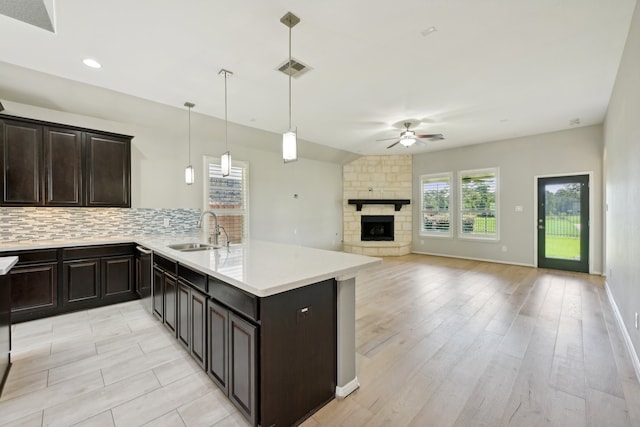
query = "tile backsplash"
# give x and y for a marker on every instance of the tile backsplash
(29, 224)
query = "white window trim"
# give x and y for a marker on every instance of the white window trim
(436, 234)
(206, 160)
(464, 236)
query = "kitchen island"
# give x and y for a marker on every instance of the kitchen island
(272, 324)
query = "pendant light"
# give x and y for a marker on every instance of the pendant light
(225, 159)
(289, 138)
(189, 174)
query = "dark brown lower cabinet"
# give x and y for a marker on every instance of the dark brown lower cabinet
(170, 301)
(218, 345)
(158, 293)
(192, 321)
(117, 276)
(184, 294)
(34, 289)
(198, 327)
(298, 351)
(242, 367)
(97, 275)
(232, 354)
(98, 278)
(81, 281)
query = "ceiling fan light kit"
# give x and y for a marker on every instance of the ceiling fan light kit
(408, 137)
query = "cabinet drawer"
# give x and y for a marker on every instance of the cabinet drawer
(234, 298)
(166, 264)
(45, 255)
(195, 279)
(83, 252)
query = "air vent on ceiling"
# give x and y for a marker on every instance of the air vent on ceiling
(296, 69)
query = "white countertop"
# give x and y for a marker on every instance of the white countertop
(6, 263)
(258, 267)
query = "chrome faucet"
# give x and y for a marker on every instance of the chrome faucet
(213, 238)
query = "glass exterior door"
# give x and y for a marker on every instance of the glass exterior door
(563, 223)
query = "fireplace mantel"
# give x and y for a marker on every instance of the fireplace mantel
(397, 203)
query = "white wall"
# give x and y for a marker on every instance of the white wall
(622, 160)
(520, 160)
(159, 156)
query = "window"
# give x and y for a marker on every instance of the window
(436, 198)
(227, 197)
(479, 204)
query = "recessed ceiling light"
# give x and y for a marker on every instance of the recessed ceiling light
(92, 63)
(429, 31)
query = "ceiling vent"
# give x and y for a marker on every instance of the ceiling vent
(296, 69)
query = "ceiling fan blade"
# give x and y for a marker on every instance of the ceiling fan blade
(386, 139)
(397, 142)
(431, 136)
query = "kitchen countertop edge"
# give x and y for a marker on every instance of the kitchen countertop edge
(348, 265)
(6, 263)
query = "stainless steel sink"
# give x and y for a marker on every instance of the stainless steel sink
(190, 247)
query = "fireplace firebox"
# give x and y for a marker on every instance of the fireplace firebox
(376, 227)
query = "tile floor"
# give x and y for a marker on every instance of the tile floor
(111, 366)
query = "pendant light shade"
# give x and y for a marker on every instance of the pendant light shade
(289, 146)
(225, 164)
(189, 173)
(290, 138)
(225, 159)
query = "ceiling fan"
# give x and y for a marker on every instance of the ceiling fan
(409, 137)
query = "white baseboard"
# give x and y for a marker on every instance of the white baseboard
(625, 334)
(347, 389)
(473, 259)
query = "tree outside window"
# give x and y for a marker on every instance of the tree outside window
(479, 203)
(436, 198)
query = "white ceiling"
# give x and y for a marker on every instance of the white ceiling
(494, 69)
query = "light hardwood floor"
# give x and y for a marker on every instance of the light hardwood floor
(440, 342)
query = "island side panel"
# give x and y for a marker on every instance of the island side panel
(346, 312)
(298, 353)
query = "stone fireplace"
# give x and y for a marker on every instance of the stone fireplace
(376, 187)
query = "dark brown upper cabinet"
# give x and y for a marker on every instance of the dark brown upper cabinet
(47, 164)
(21, 161)
(108, 170)
(63, 167)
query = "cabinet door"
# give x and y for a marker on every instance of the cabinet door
(20, 161)
(242, 366)
(198, 327)
(62, 167)
(158, 293)
(117, 276)
(138, 277)
(170, 300)
(143, 275)
(183, 318)
(108, 161)
(81, 281)
(218, 346)
(34, 287)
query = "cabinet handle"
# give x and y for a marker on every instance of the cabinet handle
(143, 250)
